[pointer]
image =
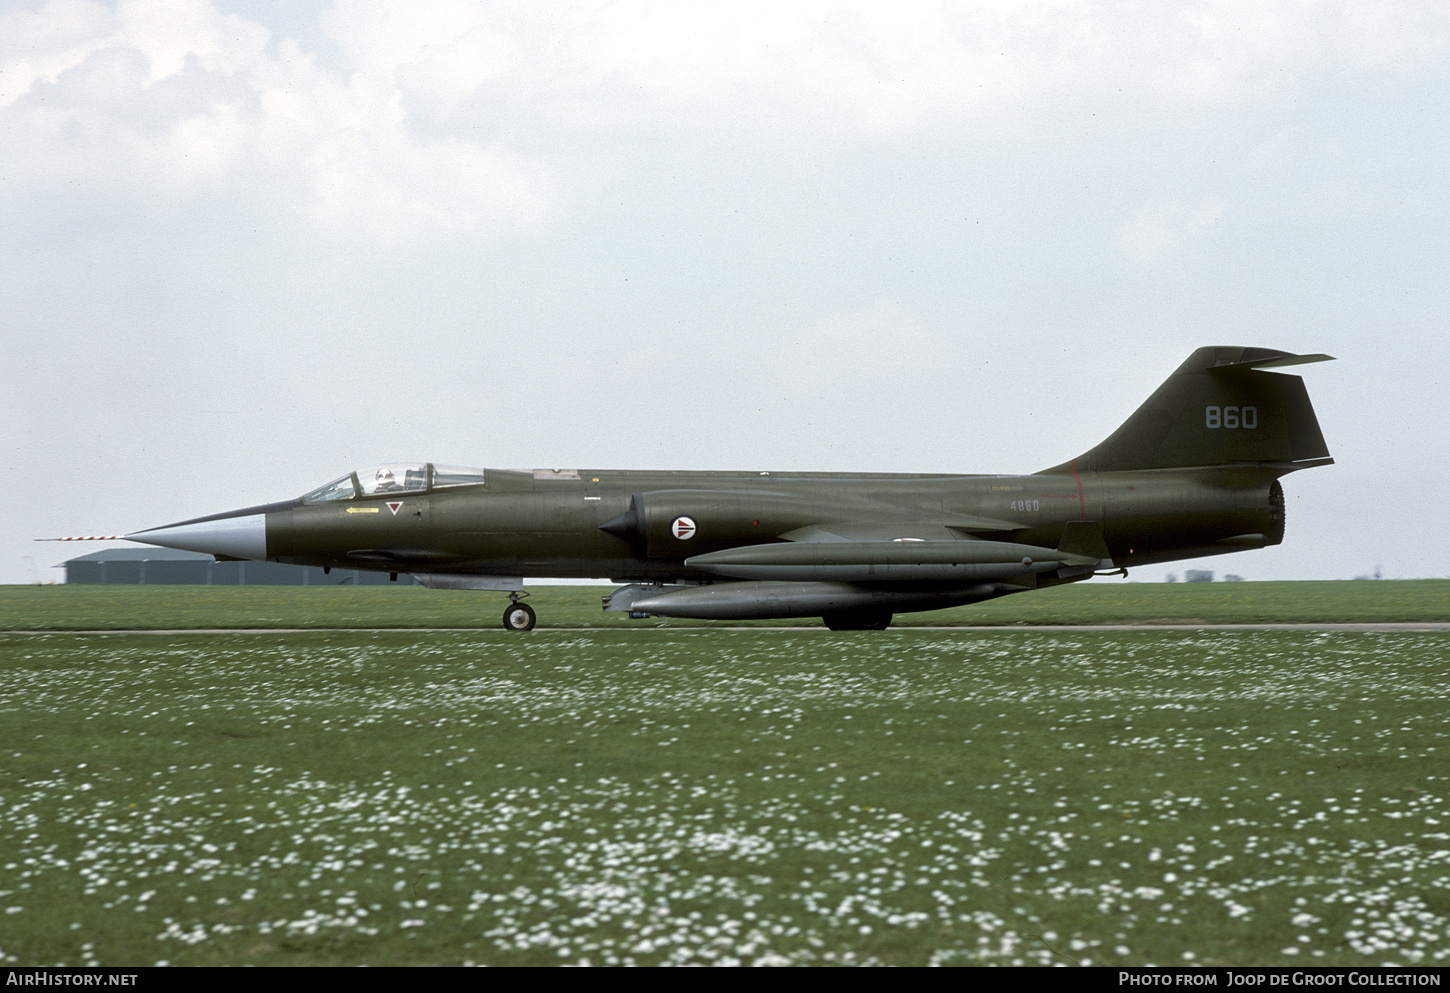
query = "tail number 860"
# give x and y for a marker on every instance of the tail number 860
(1231, 417)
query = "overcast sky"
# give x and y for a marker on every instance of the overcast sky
(248, 246)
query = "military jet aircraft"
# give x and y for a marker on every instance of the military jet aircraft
(1194, 471)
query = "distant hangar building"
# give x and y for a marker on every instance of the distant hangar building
(169, 567)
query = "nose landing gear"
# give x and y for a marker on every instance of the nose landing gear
(518, 616)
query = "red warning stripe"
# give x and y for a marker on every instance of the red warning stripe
(1078, 496)
(89, 537)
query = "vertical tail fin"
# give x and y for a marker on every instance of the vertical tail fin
(1218, 408)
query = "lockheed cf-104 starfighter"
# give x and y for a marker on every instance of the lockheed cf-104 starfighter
(1194, 471)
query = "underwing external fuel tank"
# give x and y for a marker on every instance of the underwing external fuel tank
(1194, 471)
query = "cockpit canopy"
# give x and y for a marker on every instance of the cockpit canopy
(396, 477)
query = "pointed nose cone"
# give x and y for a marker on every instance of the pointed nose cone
(239, 536)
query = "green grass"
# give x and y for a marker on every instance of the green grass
(699, 795)
(86, 607)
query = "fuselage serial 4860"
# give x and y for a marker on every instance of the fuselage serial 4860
(1194, 471)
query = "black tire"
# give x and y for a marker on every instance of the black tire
(858, 620)
(519, 617)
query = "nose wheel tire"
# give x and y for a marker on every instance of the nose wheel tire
(519, 617)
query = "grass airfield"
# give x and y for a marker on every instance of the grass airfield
(699, 795)
(84, 607)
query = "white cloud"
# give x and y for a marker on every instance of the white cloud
(442, 57)
(877, 68)
(39, 46)
(170, 97)
(406, 135)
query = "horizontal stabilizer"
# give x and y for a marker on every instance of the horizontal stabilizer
(1275, 361)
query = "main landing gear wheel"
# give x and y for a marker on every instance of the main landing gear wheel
(858, 620)
(519, 617)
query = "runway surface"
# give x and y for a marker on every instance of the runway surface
(1401, 627)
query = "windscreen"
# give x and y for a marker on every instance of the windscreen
(338, 489)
